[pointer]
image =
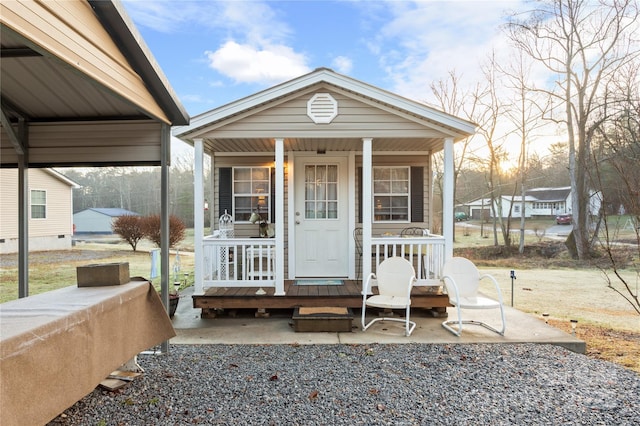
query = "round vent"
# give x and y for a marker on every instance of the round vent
(322, 108)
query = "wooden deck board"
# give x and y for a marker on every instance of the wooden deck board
(347, 295)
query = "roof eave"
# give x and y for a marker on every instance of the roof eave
(117, 23)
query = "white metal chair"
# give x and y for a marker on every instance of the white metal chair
(394, 278)
(462, 279)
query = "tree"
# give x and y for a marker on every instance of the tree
(151, 225)
(584, 44)
(129, 227)
(452, 99)
(618, 176)
(524, 113)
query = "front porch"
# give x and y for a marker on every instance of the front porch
(348, 294)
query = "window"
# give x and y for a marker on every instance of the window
(321, 191)
(38, 204)
(390, 194)
(516, 209)
(251, 192)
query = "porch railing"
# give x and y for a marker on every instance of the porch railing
(425, 252)
(238, 262)
(250, 262)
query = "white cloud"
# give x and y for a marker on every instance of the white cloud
(245, 63)
(342, 64)
(257, 48)
(419, 42)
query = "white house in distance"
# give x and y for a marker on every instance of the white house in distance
(98, 220)
(50, 210)
(318, 157)
(538, 202)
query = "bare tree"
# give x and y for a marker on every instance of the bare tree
(618, 177)
(453, 99)
(491, 106)
(583, 43)
(524, 112)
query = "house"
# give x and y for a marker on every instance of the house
(316, 158)
(50, 209)
(538, 203)
(98, 220)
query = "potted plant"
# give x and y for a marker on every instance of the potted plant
(174, 298)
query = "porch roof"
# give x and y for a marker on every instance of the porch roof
(415, 126)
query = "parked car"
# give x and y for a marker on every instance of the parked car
(460, 216)
(564, 219)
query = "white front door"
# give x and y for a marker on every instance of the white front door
(321, 217)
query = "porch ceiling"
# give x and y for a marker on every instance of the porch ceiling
(253, 145)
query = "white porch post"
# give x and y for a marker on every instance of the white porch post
(367, 162)
(448, 199)
(198, 214)
(279, 219)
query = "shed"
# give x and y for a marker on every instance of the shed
(98, 220)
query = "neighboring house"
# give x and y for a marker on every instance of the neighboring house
(317, 157)
(50, 210)
(538, 202)
(98, 220)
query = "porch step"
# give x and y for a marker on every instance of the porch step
(322, 319)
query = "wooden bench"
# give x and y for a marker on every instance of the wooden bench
(56, 347)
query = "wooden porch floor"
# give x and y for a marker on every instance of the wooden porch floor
(346, 295)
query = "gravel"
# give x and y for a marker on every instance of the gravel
(407, 384)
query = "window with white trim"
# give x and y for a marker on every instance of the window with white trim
(251, 192)
(38, 204)
(391, 194)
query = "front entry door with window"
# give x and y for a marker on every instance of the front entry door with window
(321, 217)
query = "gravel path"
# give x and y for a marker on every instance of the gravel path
(409, 384)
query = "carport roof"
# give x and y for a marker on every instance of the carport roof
(69, 64)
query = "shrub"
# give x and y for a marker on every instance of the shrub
(151, 228)
(129, 228)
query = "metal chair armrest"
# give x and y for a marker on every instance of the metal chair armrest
(495, 283)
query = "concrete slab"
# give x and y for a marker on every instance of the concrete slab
(278, 329)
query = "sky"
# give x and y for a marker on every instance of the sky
(216, 52)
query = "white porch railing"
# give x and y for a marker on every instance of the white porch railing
(238, 262)
(250, 262)
(425, 252)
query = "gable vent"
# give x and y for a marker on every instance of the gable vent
(322, 108)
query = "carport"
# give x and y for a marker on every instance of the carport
(80, 88)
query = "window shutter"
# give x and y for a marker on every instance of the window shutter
(225, 191)
(272, 197)
(417, 194)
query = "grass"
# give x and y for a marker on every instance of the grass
(52, 270)
(549, 281)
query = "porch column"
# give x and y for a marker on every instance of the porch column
(23, 225)
(165, 162)
(279, 217)
(448, 199)
(198, 214)
(367, 162)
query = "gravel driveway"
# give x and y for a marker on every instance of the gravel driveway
(409, 384)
